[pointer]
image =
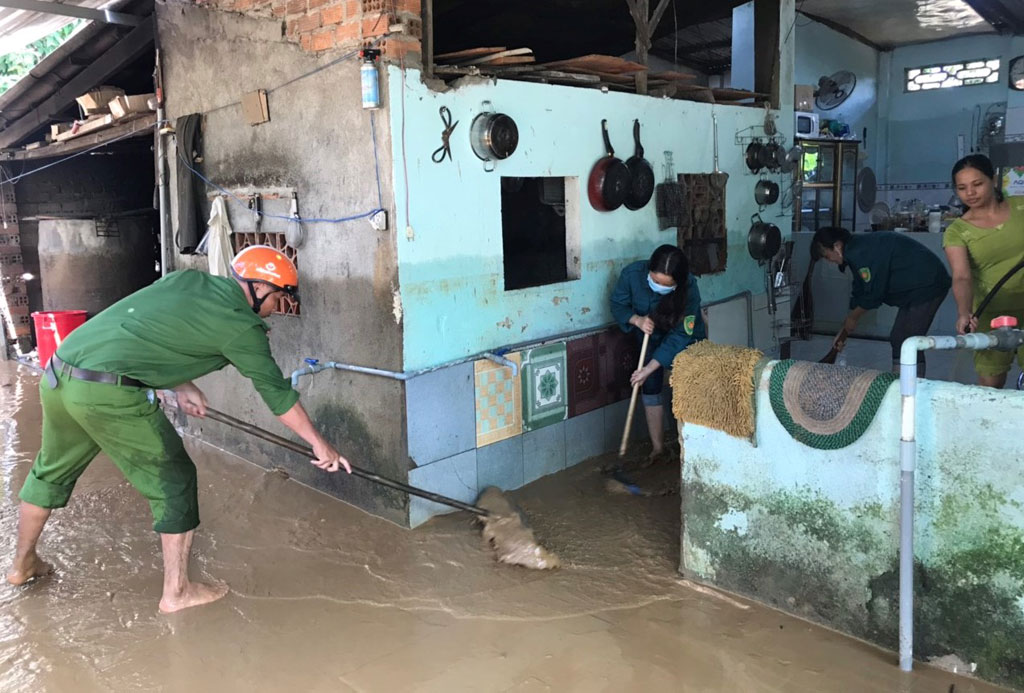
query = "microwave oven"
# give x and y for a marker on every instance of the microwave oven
(806, 124)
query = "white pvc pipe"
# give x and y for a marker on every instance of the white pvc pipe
(908, 464)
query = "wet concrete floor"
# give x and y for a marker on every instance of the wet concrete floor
(327, 598)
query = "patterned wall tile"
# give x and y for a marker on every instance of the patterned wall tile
(619, 356)
(586, 387)
(545, 387)
(499, 401)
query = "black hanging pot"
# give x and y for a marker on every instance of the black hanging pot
(753, 156)
(493, 136)
(641, 187)
(763, 239)
(772, 155)
(766, 192)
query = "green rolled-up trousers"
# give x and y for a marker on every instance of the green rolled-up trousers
(82, 418)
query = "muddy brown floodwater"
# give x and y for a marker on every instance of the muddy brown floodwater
(327, 598)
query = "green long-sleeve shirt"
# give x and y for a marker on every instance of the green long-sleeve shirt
(633, 296)
(183, 326)
(890, 268)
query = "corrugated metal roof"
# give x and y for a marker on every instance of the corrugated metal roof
(57, 69)
(18, 28)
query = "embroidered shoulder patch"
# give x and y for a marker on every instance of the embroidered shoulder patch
(865, 274)
(688, 322)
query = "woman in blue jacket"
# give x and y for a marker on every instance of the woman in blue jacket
(660, 298)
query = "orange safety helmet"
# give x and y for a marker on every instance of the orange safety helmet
(261, 263)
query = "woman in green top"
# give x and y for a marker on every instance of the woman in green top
(982, 246)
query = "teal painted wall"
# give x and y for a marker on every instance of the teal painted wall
(450, 241)
(922, 127)
(823, 51)
(815, 532)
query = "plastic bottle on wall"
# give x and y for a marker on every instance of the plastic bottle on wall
(369, 78)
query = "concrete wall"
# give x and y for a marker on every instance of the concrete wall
(815, 532)
(119, 180)
(318, 142)
(823, 51)
(91, 264)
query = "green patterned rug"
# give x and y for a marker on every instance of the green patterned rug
(823, 406)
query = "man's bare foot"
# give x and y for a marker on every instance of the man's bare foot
(194, 594)
(29, 568)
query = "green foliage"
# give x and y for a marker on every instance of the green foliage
(16, 65)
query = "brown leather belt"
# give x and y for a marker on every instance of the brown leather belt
(93, 376)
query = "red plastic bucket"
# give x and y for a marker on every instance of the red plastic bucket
(52, 328)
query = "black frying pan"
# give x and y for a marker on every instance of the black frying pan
(609, 179)
(641, 175)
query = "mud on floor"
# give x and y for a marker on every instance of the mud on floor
(327, 598)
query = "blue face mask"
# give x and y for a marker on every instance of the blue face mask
(658, 288)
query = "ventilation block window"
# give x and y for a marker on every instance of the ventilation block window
(965, 74)
(285, 305)
(540, 231)
(702, 233)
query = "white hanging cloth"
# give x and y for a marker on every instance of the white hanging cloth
(217, 241)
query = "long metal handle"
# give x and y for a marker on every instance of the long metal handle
(369, 476)
(632, 400)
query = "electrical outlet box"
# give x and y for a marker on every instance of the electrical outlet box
(379, 220)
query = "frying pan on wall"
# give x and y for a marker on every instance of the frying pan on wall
(641, 175)
(753, 156)
(609, 179)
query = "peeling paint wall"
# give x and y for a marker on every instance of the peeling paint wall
(815, 532)
(449, 214)
(319, 143)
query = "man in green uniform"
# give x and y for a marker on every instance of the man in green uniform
(95, 396)
(887, 268)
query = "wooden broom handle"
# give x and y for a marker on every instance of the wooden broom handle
(632, 399)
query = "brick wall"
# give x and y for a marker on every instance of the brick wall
(321, 25)
(14, 300)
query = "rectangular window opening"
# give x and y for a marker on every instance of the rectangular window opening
(540, 230)
(963, 74)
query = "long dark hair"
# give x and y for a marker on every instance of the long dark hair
(670, 260)
(983, 165)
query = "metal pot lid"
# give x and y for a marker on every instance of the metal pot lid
(500, 135)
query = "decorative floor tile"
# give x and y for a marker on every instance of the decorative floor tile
(545, 391)
(499, 401)
(586, 388)
(619, 356)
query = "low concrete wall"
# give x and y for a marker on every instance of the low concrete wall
(815, 532)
